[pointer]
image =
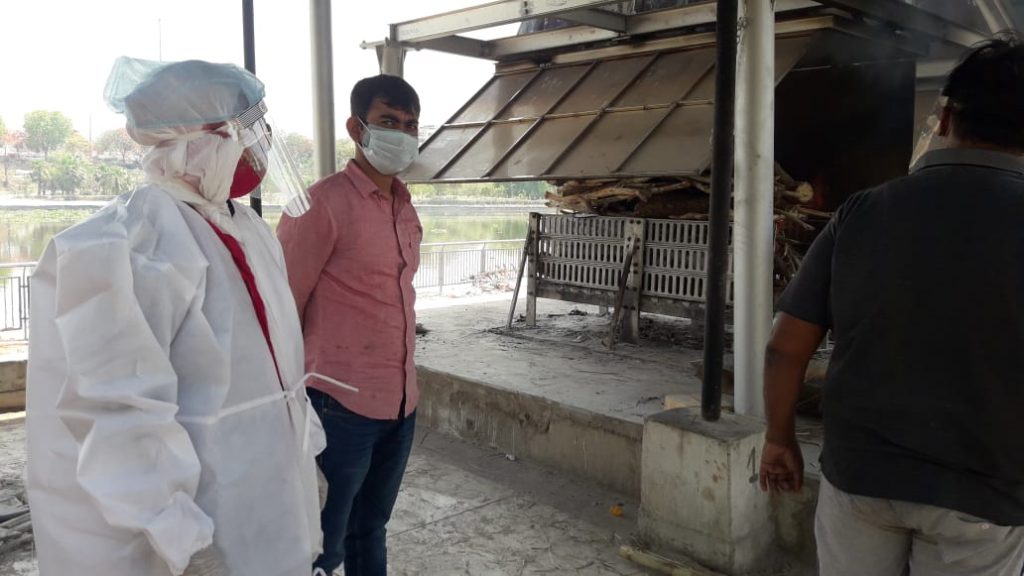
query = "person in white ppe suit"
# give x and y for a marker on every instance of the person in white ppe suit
(168, 428)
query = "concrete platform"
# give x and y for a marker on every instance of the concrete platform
(556, 394)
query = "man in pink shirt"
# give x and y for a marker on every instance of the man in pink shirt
(351, 261)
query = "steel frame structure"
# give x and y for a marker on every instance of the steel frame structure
(595, 25)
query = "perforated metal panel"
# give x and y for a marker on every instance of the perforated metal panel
(589, 253)
(583, 252)
(676, 260)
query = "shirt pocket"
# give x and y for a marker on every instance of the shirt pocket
(412, 246)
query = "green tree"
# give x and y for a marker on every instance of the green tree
(301, 149)
(3, 145)
(111, 180)
(14, 140)
(46, 130)
(42, 175)
(70, 172)
(344, 150)
(119, 143)
(77, 145)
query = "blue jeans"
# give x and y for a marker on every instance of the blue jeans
(364, 463)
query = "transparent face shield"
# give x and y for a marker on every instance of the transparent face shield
(929, 139)
(270, 158)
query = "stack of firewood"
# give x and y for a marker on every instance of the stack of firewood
(688, 198)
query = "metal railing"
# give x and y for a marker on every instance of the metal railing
(14, 299)
(442, 265)
(449, 264)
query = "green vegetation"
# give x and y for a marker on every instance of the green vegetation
(510, 193)
(46, 130)
(111, 166)
(118, 144)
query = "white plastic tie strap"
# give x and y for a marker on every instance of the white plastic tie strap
(286, 395)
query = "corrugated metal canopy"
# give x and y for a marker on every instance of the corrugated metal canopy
(645, 114)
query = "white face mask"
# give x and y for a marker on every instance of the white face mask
(389, 151)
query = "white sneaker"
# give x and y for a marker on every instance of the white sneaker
(319, 572)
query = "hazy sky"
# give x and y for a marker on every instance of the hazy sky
(56, 54)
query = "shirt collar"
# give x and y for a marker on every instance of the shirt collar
(367, 188)
(971, 157)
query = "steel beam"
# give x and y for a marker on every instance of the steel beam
(934, 69)
(487, 16)
(1009, 12)
(639, 24)
(441, 32)
(554, 40)
(910, 18)
(803, 26)
(697, 15)
(459, 45)
(999, 16)
(595, 18)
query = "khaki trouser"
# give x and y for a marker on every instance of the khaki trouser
(862, 536)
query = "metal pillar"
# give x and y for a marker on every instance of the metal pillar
(721, 189)
(249, 47)
(754, 232)
(323, 87)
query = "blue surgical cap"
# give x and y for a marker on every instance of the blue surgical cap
(160, 98)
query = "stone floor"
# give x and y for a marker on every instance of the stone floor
(565, 359)
(462, 510)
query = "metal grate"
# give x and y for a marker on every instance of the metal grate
(676, 260)
(586, 252)
(14, 298)
(589, 252)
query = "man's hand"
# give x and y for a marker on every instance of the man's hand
(782, 467)
(790, 348)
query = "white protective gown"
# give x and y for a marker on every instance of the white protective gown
(156, 420)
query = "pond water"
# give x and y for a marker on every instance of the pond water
(24, 233)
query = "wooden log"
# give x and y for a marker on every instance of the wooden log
(802, 194)
(795, 219)
(812, 212)
(782, 176)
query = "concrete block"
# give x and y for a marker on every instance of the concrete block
(12, 385)
(12, 375)
(699, 493)
(794, 528)
(673, 401)
(581, 443)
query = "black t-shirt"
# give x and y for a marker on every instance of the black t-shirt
(922, 282)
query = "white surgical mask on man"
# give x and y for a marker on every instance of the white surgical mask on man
(389, 151)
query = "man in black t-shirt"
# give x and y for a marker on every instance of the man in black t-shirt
(921, 282)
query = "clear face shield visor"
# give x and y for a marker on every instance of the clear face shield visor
(929, 139)
(271, 158)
